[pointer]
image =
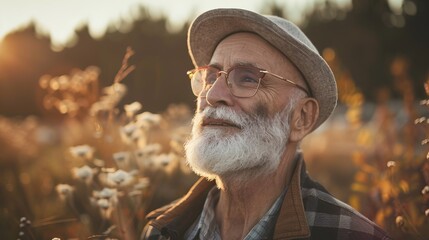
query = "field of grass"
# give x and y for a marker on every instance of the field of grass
(98, 171)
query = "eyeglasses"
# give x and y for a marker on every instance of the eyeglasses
(242, 81)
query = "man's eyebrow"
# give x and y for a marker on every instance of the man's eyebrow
(246, 64)
(215, 65)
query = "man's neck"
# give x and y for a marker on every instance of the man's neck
(243, 203)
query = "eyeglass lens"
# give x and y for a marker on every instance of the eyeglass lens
(242, 81)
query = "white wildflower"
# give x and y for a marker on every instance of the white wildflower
(64, 191)
(129, 129)
(132, 109)
(130, 133)
(107, 193)
(120, 178)
(109, 196)
(147, 119)
(115, 89)
(97, 107)
(84, 152)
(122, 159)
(84, 173)
(103, 203)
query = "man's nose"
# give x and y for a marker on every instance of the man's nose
(219, 92)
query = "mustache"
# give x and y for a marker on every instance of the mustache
(224, 113)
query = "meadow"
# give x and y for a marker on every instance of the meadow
(96, 173)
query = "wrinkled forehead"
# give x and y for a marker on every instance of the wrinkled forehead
(249, 48)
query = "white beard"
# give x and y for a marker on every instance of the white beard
(256, 149)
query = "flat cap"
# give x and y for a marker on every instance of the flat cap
(211, 27)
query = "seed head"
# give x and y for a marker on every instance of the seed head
(425, 190)
(391, 164)
(400, 221)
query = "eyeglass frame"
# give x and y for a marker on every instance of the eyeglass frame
(191, 73)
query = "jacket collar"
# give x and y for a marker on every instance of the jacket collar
(182, 214)
(291, 222)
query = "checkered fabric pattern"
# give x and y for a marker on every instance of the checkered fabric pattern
(205, 228)
(329, 218)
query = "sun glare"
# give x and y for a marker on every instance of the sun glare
(59, 19)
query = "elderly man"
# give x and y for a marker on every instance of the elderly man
(261, 87)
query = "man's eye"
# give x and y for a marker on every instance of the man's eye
(247, 79)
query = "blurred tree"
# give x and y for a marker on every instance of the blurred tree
(369, 36)
(366, 37)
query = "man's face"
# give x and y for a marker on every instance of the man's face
(235, 135)
(250, 49)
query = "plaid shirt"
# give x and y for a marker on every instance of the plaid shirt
(307, 211)
(206, 227)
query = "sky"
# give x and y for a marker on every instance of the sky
(60, 18)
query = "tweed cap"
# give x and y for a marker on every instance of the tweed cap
(211, 27)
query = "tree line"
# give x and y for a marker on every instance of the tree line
(366, 39)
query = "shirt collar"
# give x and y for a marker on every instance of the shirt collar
(206, 227)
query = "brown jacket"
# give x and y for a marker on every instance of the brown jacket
(303, 214)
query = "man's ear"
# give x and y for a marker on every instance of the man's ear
(303, 118)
